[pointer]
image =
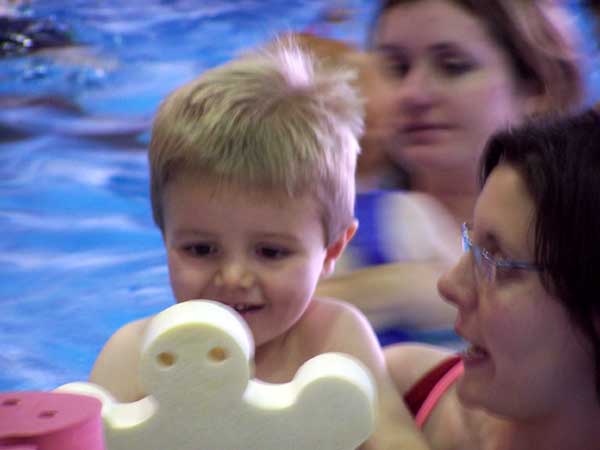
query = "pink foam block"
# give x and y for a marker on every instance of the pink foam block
(50, 421)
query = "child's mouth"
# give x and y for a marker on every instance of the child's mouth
(245, 309)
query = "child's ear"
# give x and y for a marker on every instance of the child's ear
(336, 248)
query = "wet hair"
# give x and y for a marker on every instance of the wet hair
(273, 119)
(559, 161)
(537, 37)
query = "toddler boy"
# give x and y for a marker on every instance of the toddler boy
(252, 185)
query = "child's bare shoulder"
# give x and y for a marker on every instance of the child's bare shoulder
(117, 365)
(333, 325)
(129, 336)
(329, 305)
(332, 312)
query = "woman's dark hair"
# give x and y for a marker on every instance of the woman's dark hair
(559, 161)
(539, 44)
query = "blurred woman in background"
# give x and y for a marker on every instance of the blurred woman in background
(456, 71)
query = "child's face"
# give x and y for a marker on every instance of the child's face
(259, 252)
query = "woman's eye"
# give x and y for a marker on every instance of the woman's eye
(271, 252)
(456, 66)
(506, 271)
(396, 68)
(393, 63)
(505, 274)
(200, 250)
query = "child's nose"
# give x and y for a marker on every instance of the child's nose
(458, 286)
(234, 274)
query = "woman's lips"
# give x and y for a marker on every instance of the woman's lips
(421, 127)
(474, 355)
(423, 132)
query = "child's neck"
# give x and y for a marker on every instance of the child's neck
(274, 361)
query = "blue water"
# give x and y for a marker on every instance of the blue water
(79, 253)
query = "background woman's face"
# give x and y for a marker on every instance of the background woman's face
(450, 85)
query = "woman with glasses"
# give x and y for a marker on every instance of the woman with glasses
(527, 293)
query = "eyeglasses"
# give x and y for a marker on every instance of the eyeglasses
(486, 266)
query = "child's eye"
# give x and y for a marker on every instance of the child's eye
(272, 252)
(201, 250)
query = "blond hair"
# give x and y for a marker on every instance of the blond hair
(373, 160)
(273, 119)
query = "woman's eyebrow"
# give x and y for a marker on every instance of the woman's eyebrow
(438, 47)
(446, 46)
(391, 48)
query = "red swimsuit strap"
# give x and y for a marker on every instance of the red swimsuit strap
(418, 393)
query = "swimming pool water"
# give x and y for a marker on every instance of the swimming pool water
(79, 253)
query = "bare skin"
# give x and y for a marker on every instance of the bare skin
(327, 326)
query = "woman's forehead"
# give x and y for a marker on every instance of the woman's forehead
(505, 209)
(431, 21)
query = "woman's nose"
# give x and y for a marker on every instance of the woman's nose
(417, 89)
(234, 274)
(457, 286)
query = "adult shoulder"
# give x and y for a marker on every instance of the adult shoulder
(408, 363)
